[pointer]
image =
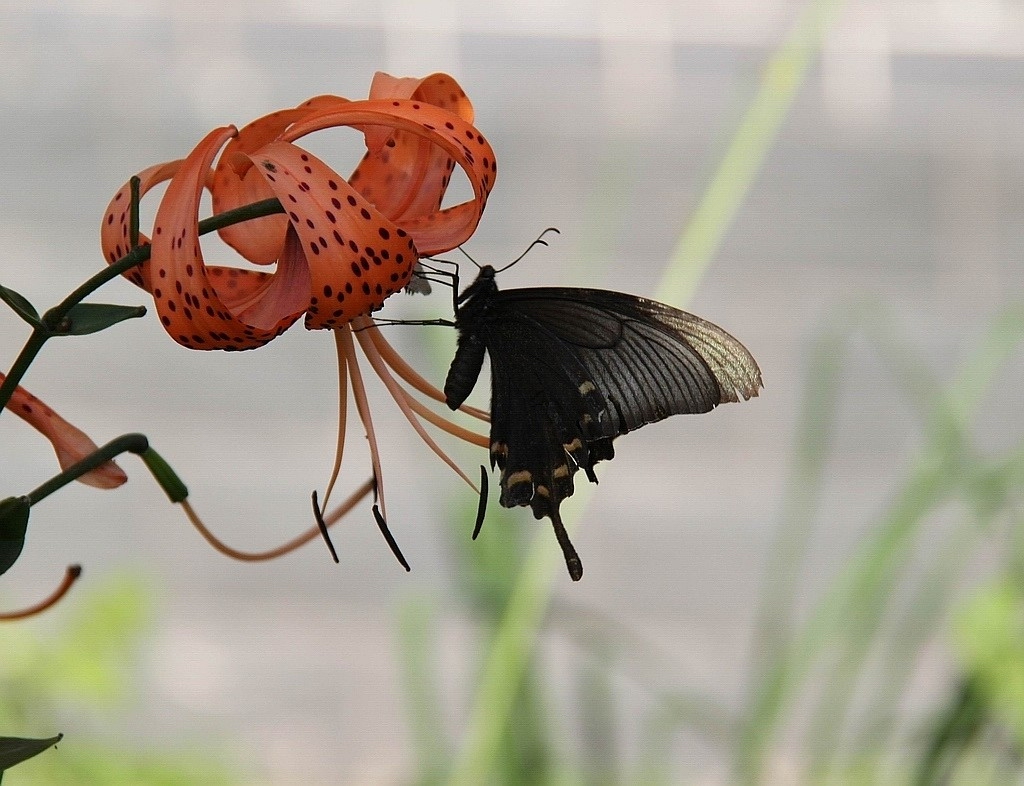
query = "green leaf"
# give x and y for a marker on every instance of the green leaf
(21, 306)
(14, 750)
(990, 639)
(86, 318)
(13, 524)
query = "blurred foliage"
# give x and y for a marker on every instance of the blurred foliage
(79, 679)
(828, 694)
(990, 637)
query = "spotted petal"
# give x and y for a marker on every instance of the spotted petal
(406, 175)
(115, 230)
(70, 443)
(342, 247)
(356, 257)
(433, 230)
(200, 306)
(235, 183)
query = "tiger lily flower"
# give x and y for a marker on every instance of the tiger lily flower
(341, 247)
(71, 444)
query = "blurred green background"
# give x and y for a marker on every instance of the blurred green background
(822, 585)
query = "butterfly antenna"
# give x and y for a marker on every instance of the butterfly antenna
(319, 516)
(482, 508)
(540, 241)
(467, 256)
(572, 559)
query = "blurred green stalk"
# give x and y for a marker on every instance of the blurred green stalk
(744, 158)
(847, 621)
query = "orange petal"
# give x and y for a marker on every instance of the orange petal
(197, 305)
(439, 89)
(115, 230)
(434, 231)
(386, 86)
(259, 240)
(287, 290)
(235, 183)
(404, 174)
(355, 255)
(71, 444)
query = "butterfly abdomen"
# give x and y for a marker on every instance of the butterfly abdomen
(464, 370)
(469, 356)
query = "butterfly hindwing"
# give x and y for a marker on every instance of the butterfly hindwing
(539, 436)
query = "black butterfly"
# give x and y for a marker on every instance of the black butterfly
(571, 369)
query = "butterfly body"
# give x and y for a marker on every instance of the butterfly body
(571, 369)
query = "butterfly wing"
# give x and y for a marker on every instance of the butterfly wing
(571, 369)
(646, 360)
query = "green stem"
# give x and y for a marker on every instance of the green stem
(133, 217)
(126, 443)
(53, 318)
(21, 363)
(138, 444)
(140, 254)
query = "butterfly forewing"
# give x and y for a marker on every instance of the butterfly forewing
(647, 360)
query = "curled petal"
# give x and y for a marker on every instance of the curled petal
(356, 257)
(70, 444)
(404, 174)
(115, 230)
(199, 307)
(235, 183)
(433, 230)
(438, 89)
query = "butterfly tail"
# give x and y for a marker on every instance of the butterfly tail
(572, 559)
